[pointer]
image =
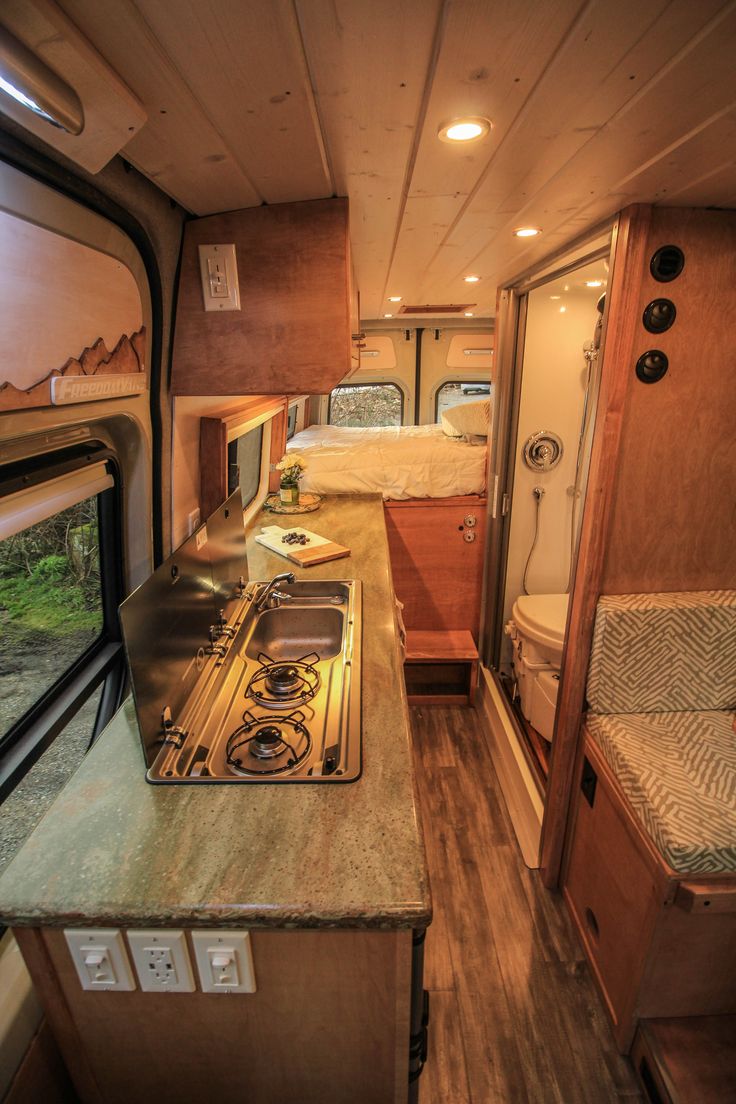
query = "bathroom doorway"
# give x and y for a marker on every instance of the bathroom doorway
(545, 434)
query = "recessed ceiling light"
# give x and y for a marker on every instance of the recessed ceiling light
(465, 130)
(394, 298)
(527, 231)
(468, 314)
(388, 316)
(562, 310)
(555, 296)
(471, 279)
(594, 283)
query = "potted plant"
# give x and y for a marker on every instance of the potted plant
(291, 466)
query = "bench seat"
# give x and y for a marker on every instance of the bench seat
(678, 773)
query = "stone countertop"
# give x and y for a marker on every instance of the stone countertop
(115, 850)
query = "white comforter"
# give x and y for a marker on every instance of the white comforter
(397, 462)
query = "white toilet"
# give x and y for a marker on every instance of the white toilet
(537, 631)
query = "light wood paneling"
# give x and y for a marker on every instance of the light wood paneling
(329, 1021)
(294, 321)
(595, 106)
(674, 512)
(80, 293)
(270, 92)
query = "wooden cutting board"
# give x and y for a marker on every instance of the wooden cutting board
(319, 549)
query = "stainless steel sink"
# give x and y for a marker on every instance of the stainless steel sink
(309, 631)
(290, 632)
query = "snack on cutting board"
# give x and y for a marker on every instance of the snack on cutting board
(301, 546)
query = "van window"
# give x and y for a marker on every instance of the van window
(291, 422)
(244, 464)
(367, 404)
(61, 657)
(451, 394)
(50, 604)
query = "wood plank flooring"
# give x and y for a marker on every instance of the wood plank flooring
(514, 1015)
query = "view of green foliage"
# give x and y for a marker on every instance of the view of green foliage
(50, 578)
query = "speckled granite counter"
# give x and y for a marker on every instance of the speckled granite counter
(115, 850)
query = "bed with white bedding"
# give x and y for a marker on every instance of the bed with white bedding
(399, 462)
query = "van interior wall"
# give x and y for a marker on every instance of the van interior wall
(161, 218)
(434, 366)
(436, 341)
(552, 397)
(673, 516)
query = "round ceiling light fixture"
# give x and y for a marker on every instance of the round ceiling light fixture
(465, 130)
(527, 231)
(471, 279)
(394, 299)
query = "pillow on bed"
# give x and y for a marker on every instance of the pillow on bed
(468, 419)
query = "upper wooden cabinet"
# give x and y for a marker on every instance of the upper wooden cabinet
(293, 331)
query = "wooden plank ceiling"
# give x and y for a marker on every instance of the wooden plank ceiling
(594, 105)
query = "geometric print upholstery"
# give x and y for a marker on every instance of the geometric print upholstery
(663, 652)
(678, 772)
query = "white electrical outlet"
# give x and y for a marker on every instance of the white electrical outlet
(192, 521)
(161, 961)
(224, 961)
(218, 270)
(100, 960)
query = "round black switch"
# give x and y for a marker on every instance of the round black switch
(651, 366)
(659, 315)
(667, 263)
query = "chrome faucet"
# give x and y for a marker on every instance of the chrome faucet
(263, 597)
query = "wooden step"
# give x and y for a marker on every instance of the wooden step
(441, 667)
(687, 1061)
(449, 645)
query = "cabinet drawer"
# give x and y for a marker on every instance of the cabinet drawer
(615, 897)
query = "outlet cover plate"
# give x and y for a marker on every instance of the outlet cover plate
(161, 961)
(115, 974)
(235, 944)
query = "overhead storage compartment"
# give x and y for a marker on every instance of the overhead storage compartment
(294, 323)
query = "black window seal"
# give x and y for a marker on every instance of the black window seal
(365, 387)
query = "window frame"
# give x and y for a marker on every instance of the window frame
(103, 660)
(365, 386)
(447, 380)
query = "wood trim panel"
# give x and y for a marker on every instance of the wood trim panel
(294, 320)
(329, 1020)
(51, 993)
(42, 1077)
(629, 250)
(692, 1059)
(215, 434)
(128, 356)
(674, 513)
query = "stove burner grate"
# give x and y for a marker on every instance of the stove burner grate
(279, 684)
(265, 738)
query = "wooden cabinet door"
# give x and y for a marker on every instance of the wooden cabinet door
(437, 572)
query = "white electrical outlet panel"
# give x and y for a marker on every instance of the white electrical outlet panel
(161, 961)
(224, 961)
(100, 959)
(218, 269)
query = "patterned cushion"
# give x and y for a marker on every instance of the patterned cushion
(678, 771)
(655, 652)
